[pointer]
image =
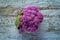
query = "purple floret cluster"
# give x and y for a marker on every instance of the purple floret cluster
(31, 18)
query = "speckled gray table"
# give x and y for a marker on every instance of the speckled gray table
(49, 29)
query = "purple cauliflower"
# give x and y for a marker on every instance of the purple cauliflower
(31, 18)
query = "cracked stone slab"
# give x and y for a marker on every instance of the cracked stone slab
(49, 29)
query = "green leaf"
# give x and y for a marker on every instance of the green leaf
(17, 21)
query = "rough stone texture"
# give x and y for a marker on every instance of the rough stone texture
(49, 29)
(22, 3)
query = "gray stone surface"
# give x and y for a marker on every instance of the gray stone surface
(23, 3)
(49, 29)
